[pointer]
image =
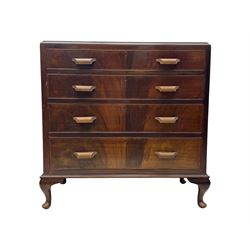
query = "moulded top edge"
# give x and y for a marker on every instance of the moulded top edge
(123, 43)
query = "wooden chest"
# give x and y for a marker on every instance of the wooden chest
(125, 110)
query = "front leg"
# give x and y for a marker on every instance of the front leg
(45, 184)
(203, 185)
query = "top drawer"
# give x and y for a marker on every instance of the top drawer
(163, 60)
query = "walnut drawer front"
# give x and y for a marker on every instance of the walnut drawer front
(113, 109)
(125, 118)
(165, 87)
(125, 153)
(158, 60)
(119, 59)
(71, 86)
(63, 58)
(122, 86)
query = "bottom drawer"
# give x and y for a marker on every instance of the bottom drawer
(125, 153)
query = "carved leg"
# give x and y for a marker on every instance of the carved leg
(45, 184)
(203, 184)
(182, 181)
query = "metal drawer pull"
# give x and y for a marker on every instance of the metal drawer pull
(83, 88)
(84, 61)
(167, 88)
(166, 155)
(85, 155)
(169, 61)
(84, 119)
(167, 119)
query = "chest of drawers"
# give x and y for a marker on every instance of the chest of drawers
(125, 110)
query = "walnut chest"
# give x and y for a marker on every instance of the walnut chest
(125, 110)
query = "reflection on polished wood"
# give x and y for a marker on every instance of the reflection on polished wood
(124, 110)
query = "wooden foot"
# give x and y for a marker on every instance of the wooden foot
(182, 181)
(203, 185)
(64, 181)
(45, 184)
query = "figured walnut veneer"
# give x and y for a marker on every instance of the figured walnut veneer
(125, 110)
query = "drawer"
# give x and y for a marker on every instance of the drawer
(134, 87)
(125, 153)
(167, 60)
(63, 58)
(125, 118)
(131, 59)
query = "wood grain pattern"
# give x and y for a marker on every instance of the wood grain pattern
(104, 59)
(125, 139)
(118, 59)
(60, 86)
(190, 87)
(122, 87)
(189, 59)
(121, 118)
(125, 153)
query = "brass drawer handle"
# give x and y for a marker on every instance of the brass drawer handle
(170, 61)
(167, 119)
(166, 155)
(167, 88)
(83, 88)
(84, 119)
(84, 155)
(83, 61)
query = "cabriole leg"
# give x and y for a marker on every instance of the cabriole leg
(45, 184)
(203, 185)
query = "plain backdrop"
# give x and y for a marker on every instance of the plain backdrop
(111, 214)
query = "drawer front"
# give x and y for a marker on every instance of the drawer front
(71, 86)
(125, 118)
(165, 87)
(164, 60)
(134, 87)
(125, 153)
(59, 58)
(181, 60)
